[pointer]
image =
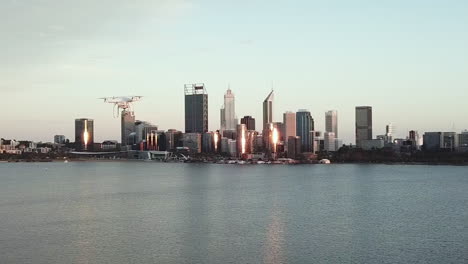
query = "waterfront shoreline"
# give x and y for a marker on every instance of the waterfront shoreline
(236, 162)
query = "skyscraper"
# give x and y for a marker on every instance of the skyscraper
(249, 122)
(268, 110)
(222, 122)
(304, 124)
(331, 122)
(242, 137)
(289, 122)
(84, 134)
(196, 108)
(329, 141)
(228, 112)
(363, 124)
(389, 130)
(127, 126)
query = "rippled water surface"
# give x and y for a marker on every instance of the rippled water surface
(142, 212)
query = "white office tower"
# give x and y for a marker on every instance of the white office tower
(329, 141)
(389, 130)
(228, 112)
(331, 122)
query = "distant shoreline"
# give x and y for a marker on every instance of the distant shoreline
(199, 162)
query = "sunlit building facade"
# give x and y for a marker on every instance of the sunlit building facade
(84, 134)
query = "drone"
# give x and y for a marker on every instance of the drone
(121, 102)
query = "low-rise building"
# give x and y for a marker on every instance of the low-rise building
(193, 141)
(372, 144)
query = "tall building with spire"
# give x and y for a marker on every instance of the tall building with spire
(228, 112)
(268, 110)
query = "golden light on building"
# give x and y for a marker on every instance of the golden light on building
(243, 141)
(275, 138)
(86, 135)
(216, 140)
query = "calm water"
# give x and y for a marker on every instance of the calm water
(140, 212)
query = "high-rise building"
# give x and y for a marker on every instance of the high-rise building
(389, 130)
(268, 110)
(432, 141)
(228, 112)
(222, 121)
(304, 124)
(294, 147)
(249, 122)
(463, 141)
(127, 126)
(59, 139)
(289, 122)
(329, 141)
(84, 134)
(363, 124)
(196, 108)
(242, 138)
(208, 142)
(449, 141)
(331, 122)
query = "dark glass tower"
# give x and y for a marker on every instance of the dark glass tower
(363, 124)
(249, 122)
(304, 124)
(196, 108)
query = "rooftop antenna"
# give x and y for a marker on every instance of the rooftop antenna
(121, 102)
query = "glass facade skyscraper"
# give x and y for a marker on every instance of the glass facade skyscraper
(304, 124)
(196, 108)
(331, 122)
(363, 124)
(249, 121)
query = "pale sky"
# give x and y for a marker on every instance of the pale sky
(408, 59)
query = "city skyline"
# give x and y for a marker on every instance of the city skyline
(397, 57)
(318, 127)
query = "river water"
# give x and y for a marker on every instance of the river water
(144, 212)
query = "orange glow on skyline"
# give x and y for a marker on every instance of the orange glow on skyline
(216, 138)
(275, 138)
(86, 135)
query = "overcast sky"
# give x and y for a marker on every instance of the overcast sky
(406, 58)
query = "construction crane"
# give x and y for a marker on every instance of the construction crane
(121, 102)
